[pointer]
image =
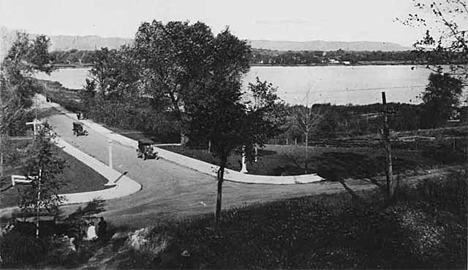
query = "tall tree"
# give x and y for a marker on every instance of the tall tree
(17, 88)
(44, 167)
(171, 56)
(179, 59)
(231, 123)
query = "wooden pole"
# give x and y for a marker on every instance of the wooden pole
(391, 185)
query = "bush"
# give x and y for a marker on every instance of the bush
(19, 249)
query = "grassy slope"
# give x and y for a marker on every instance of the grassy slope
(78, 176)
(424, 230)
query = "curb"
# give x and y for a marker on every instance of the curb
(199, 165)
(122, 184)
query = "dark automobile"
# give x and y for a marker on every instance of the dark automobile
(78, 129)
(145, 149)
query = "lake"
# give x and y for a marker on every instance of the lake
(324, 84)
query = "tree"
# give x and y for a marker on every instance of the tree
(230, 123)
(308, 119)
(172, 57)
(178, 59)
(441, 96)
(16, 85)
(114, 74)
(44, 167)
(445, 41)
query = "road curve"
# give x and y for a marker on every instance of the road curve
(168, 189)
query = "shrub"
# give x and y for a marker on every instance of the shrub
(20, 249)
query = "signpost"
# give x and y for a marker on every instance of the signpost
(35, 123)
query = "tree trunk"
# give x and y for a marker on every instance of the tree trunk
(220, 190)
(306, 154)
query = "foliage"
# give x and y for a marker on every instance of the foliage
(275, 58)
(44, 167)
(114, 74)
(182, 59)
(26, 57)
(17, 248)
(445, 42)
(442, 95)
(16, 85)
(288, 58)
(228, 124)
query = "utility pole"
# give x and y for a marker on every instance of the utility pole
(391, 185)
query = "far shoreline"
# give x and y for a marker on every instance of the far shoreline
(373, 63)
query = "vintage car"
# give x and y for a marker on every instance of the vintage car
(145, 149)
(78, 129)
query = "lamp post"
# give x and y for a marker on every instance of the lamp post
(109, 142)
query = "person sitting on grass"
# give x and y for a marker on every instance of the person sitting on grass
(91, 233)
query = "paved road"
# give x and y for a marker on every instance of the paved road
(170, 190)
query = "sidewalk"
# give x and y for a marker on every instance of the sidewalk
(195, 164)
(120, 185)
(198, 165)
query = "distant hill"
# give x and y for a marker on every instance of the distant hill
(65, 43)
(89, 43)
(320, 45)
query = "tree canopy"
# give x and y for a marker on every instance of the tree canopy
(446, 38)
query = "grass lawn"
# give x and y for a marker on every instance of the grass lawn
(354, 162)
(78, 176)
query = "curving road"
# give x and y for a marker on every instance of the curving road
(170, 190)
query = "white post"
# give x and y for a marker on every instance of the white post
(256, 153)
(109, 141)
(244, 165)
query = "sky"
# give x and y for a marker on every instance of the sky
(288, 20)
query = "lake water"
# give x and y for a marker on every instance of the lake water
(324, 84)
